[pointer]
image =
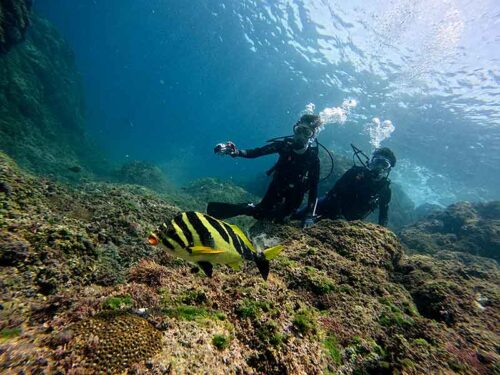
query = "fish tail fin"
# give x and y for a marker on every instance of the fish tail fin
(273, 252)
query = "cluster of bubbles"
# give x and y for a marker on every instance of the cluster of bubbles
(333, 115)
(379, 131)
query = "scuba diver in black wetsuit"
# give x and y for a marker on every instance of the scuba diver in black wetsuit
(295, 173)
(360, 190)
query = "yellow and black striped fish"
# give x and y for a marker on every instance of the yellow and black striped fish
(202, 239)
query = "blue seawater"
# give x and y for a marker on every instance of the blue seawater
(166, 80)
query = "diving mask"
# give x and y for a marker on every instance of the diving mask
(380, 167)
(303, 131)
(379, 163)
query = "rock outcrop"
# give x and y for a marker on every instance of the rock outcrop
(342, 298)
(472, 228)
(41, 104)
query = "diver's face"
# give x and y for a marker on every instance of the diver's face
(302, 134)
(380, 167)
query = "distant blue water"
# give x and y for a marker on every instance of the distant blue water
(167, 80)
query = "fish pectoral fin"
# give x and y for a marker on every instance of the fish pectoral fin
(235, 266)
(273, 252)
(197, 250)
(206, 267)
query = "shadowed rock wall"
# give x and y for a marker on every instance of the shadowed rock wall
(41, 103)
(14, 22)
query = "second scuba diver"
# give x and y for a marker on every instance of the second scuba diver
(295, 173)
(360, 190)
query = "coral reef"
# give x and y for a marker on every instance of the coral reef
(472, 228)
(82, 292)
(14, 22)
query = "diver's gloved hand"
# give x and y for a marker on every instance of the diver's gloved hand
(228, 148)
(308, 221)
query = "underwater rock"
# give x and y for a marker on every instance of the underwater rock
(75, 169)
(41, 101)
(14, 22)
(472, 228)
(143, 173)
(5, 188)
(213, 189)
(426, 209)
(14, 251)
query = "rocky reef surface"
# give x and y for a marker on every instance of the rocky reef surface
(82, 292)
(472, 228)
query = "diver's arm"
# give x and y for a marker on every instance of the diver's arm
(383, 209)
(268, 149)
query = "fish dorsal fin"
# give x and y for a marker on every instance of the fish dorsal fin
(242, 236)
(198, 250)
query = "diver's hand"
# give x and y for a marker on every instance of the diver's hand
(308, 221)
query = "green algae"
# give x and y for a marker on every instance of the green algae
(186, 312)
(193, 297)
(305, 322)
(395, 318)
(333, 348)
(269, 332)
(9, 333)
(249, 308)
(119, 302)
(421, 342)
(221, 341)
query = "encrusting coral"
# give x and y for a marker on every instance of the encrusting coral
(112, 342)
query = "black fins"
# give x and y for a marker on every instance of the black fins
(221, 210)
(262, 265)
(206, 267)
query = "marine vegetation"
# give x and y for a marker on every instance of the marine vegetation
(80, 284)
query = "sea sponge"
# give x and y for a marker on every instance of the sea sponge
(113, 342)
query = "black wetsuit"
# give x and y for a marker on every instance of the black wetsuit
(293, 175)
(355, 195)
